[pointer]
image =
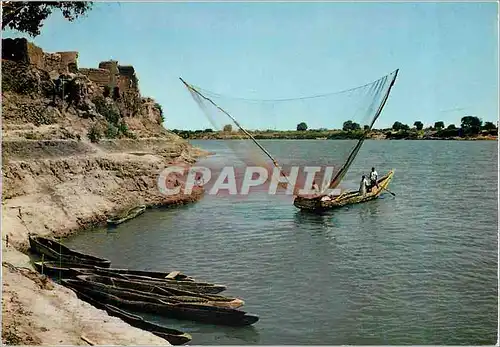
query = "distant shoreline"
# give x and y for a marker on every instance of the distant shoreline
(430, 135)
(479, 138)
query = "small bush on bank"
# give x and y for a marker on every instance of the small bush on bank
(94, 134)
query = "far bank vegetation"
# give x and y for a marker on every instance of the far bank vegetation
(471, 127)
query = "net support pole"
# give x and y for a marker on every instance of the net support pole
(335, 182)
(275, 163)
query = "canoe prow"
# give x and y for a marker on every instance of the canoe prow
(56, 251)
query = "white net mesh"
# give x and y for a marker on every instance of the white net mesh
(355, 110)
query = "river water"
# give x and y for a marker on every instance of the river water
(419, 268)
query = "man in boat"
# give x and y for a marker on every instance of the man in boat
(363, 185)
(373, 178)
(315, 187)
(329, 197)
(199, 181)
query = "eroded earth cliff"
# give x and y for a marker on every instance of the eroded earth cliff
(79, 144)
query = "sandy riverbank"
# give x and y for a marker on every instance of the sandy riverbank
(55, 203)
(40, 312)
(70, 160)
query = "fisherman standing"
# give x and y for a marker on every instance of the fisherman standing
(373, 178)
(363, 185)
(315, 187)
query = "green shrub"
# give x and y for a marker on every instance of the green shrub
(106, 110)
(131, 135)
(111, 131)
(94, 134)
(123, 128)
(160, 109)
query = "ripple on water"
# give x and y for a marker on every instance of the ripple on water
(416, 269)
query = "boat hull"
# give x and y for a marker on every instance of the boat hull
(193, 286)
(193, 312)
(174, 337)
(67, 269)
(56, 251)
(136, 291)
(350, 198)
(55, 270)
(130, 214)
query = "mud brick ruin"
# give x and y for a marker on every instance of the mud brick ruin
(118, 78)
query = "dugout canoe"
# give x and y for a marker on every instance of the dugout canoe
(189, 285)
(57, 269)
(173, 275)
(143, 292)
(317, 203)
(192, 312)
(174, 337)
(55, 250)
(71, 269)
(132, 213)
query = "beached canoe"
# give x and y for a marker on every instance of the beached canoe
(319, 203)
(174, 295)
(174, 337)
(193, 312)
(55, 269)
(57, 251)
(173, 275)
(70, 269)
(132, 213)
(193, 286)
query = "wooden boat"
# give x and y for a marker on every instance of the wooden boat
(174, 337)
(193, 286)
(194, 312)
(173, 275)
(162, 290)
(57, 251)
(71, 269)
(171, 286)
(323, 202)
(132, 213)
(140, 291)
(318, 203)
(55, 269)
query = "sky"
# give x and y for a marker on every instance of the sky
(447, 54)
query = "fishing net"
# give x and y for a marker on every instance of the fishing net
(347, 114)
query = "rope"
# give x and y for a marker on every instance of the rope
(237, 124)
(293, 99)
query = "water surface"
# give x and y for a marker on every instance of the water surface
(420, 268)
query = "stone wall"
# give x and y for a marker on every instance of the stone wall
(113, 75)
(20, 50)
(109, 74)
(112, 67)
(69, 60)
(35, 55)
(101, 77)
(128, 79)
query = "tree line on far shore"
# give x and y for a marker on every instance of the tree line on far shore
(470, 126)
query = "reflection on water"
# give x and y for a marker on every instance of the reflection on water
(418, 268)
(212, 334)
